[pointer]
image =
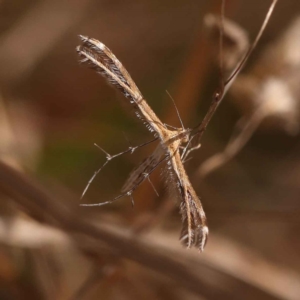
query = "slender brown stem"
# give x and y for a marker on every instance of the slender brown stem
(252, 47)
(221, 92)
(221, 39)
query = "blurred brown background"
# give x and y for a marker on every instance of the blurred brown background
(52, 110)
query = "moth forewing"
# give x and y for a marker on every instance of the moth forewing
(112, 63)
(138, 175)
(194, 229)
(99, 57)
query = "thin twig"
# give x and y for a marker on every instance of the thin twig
(252, 47)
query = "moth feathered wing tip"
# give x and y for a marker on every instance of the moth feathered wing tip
(93, 43)
(197, 238)
(83, 38)
(78, 48)
(81, 54)
(203, 238)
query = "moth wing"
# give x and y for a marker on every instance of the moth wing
(100, 58)
(194, 230)
(139, 174)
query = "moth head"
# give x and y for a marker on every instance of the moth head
(186, 135)
(182, 134)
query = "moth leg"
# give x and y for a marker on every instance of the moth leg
(129, 192)
(170, 126)
(184, 158)
(110, 157)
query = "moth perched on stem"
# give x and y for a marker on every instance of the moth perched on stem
(100, 58)
(194, 231)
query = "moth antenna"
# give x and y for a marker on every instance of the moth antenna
(155, 190)
(127, 139)
(170, 126)
(177, 111)
(108, 156)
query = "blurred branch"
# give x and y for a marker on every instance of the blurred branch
(20, 138)
(19, 232)
(8, 139)
(93, 279)
(235, 40)
(35, 200)
(35, 34)
(49, 278)
(274, 85)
